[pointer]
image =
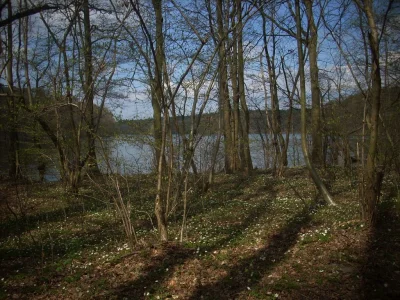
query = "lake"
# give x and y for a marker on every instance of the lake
(133, 154)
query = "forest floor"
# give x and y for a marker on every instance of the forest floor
(254, 237)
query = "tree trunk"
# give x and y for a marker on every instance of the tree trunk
(160, 127)
(224, 103)
(157, 121)
(160, 203)
(238, 159)
(314, 175)
(89, 90)
(236, 130)
(316, 127)
(14, 163)
(372, 178)
(278, 140)
(248, 165)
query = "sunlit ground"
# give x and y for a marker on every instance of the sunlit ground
(246, 238)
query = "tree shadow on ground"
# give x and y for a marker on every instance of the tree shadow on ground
(224, 192)
(23, 219)
(38, 254)
(258, 264)
(381, 273)
(174, 255)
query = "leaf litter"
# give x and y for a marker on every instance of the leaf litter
(247, 238)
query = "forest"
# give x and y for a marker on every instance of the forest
(206, 149)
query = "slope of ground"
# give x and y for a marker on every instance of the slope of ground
(247, 238)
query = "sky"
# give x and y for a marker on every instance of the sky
(139, 106)
(133, 101)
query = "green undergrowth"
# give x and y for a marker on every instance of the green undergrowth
(255, 237)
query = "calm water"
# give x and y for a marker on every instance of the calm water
(134, 155)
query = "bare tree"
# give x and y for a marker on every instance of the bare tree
(88, 87)
(317, 180)
(316, 124)
(245, 144)
(278, 141)
(372, 178)
(25, 12)
(224, 102)
(12, 102)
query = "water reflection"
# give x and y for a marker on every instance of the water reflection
(134, 154)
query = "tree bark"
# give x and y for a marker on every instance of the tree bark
(248, 165)
(236, 128)
(372, 178)
(160, 127)
(89, 90)
(278, 140)
(224, 103)
(316, 125)
(238, 158)
(314, 175)
(13, 151)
